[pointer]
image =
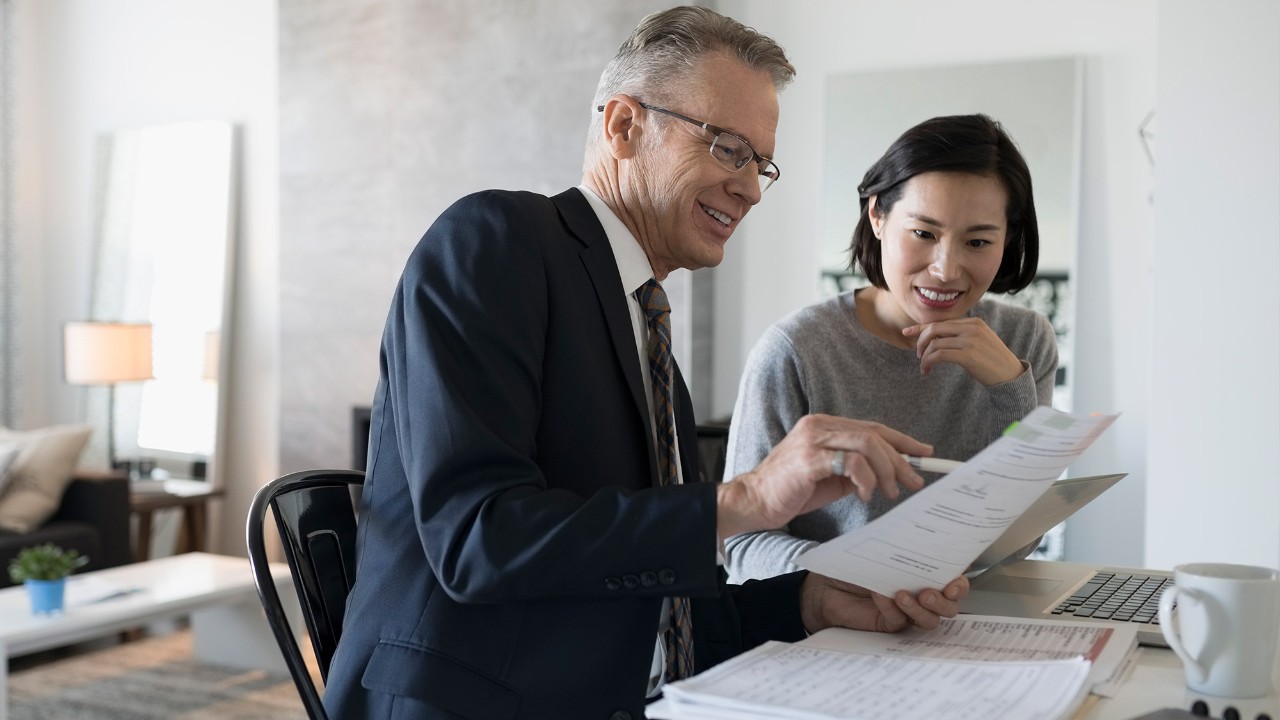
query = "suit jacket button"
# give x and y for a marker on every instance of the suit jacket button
(630, 582)
(648, 578)
(612, 583)
(667, 576)
(620, 715)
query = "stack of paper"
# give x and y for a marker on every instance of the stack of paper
(88, 589)
(970, 667)
(1110, 649)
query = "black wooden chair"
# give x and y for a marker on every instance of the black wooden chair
(713, 447)
(316, 519)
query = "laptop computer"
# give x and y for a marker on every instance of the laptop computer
(1062, 590)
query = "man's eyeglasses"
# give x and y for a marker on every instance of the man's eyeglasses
(728, 149)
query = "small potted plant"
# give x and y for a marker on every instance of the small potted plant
(43, 569)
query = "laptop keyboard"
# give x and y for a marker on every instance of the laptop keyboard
(1117, 596)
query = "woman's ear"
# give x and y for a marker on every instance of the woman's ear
(622, 130)
(873, 214)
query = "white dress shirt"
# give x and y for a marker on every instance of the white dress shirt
(635, 271)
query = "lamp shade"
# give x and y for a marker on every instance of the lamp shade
(104, 353)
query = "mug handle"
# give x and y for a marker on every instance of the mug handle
(1171, 636)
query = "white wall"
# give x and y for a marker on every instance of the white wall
(772, 267)
(90, 68)
(1215, 399)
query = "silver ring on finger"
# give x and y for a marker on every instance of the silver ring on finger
(837, 463)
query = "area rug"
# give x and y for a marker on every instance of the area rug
(145, 679)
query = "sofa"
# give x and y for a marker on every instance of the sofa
(45, 499)
(93, 518)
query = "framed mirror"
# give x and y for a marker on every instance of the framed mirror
(163, 252)
(1037, 101)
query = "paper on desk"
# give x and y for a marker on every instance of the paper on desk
(88, 589)
(999, 639)
(935, 534)
(803, 682)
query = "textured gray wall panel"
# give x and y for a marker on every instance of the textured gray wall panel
(389, 111)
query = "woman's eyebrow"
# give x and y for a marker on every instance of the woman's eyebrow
(930, 221)
(924, 219)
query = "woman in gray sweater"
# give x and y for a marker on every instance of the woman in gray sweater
(947, 215)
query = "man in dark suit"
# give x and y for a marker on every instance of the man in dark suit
(527, 547)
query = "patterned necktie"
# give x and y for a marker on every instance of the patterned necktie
(679, 635)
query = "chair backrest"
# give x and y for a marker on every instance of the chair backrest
(316, 519)
(713, 446)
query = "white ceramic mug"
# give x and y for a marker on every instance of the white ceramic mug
(1227, 626)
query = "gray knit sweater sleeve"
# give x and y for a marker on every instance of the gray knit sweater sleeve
(771, 399)
(820, 360)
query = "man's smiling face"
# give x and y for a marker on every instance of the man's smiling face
(688, 203)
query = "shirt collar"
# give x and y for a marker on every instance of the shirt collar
(633, 264)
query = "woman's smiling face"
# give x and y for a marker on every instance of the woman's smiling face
(941, 245)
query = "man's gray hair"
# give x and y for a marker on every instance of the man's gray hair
(666, 46)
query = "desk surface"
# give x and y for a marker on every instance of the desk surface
(157, 494)
(1158, 682)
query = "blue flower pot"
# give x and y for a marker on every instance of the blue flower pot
(46, 595)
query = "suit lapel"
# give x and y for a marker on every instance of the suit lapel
(602, 268)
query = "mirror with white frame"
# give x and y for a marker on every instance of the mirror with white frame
(1037, 102)
(164, 251)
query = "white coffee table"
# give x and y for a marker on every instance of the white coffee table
(217, 592)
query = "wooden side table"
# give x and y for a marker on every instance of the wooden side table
(192, 496)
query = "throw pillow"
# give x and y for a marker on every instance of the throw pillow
(8, 453)
(40, 473)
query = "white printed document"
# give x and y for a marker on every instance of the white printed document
(935, 534)
(972, 666)
(778, 680)
(1110, 648)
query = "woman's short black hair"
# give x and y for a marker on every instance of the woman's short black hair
(954, 143)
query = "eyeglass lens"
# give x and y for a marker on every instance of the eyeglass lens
(733, 153)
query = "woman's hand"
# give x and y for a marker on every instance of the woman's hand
(967, 342)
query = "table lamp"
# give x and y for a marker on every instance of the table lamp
(107, 353)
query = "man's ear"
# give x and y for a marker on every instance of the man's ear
(622, 129)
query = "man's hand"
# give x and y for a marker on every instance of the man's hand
(826, 602)
(822, 459)
(969, 343)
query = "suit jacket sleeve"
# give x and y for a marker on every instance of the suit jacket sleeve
(475, 346)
